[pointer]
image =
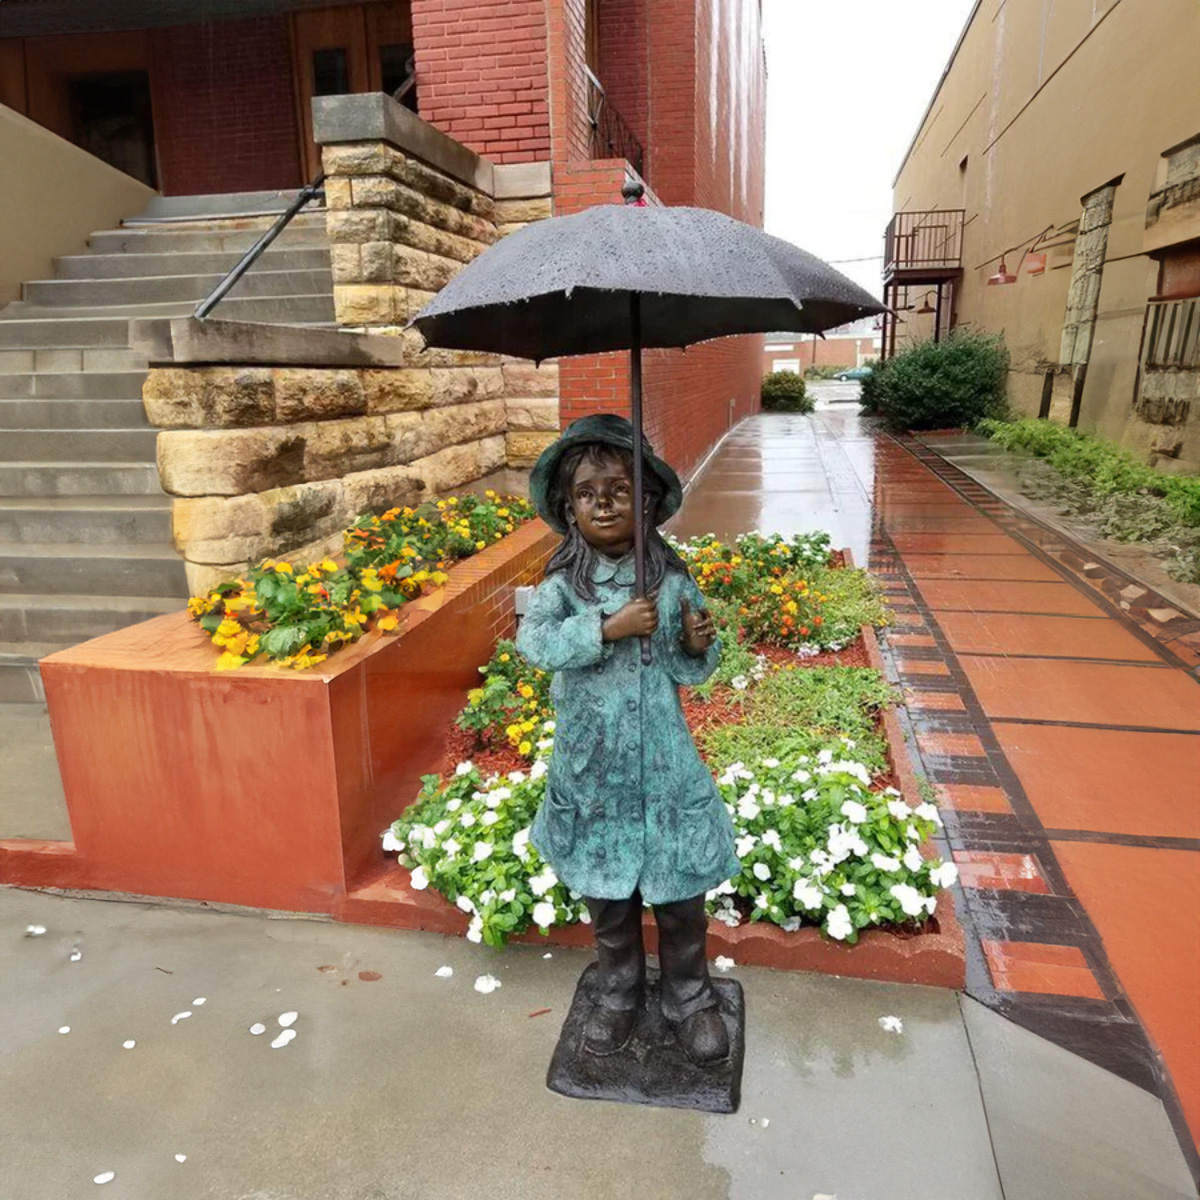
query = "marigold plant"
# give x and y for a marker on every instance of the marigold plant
(514, 698)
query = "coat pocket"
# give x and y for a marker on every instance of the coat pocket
(702, 837)
(559, 818)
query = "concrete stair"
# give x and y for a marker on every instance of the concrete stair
(85, 529)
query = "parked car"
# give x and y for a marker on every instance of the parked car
(853, 373)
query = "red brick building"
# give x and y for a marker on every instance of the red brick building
(850, 346)
(213, 96)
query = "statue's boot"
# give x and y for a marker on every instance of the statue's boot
(608, 1030)
(704, 1038)
(689, 1001)
(621, 973)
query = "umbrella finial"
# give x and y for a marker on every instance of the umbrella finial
(633, 191)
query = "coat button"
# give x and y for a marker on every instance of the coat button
(599, 668)
(631, 704)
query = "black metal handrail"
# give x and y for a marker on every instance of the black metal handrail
(311, 191)
(611, 136)
(928, 239)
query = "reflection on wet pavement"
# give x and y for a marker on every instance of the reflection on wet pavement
(1055, 708)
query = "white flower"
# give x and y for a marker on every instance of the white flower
(891, 1024)
(508, 895)
(899, 810)
(516, 777)
(912, 833)
(497, 797)
(546, 744)
(910, 899)
(838, 924)
(845, 842)
(543, 914)
(441, 827)
(763, 901)
(762, 871)
(487, 896)
(538, 769)
(807, 893)
(800, 776)
(487, 984)
(444, 972)
(930, 903)
(944, 875)
(847, 889)
(391, 841)
(724, 963)
(420, 880)
(745, 844)
(770, 763)
(849, 743)
(726, 888)
(475, 930)
(467, 820)
(548, 726)
(821, 859)
(585, 917)
(489, 818)
(881, 862)
(856, 813)
(825, 757)
(728, 916)
(466, 904)
(747, 809)
(541, 884)
(928, 812)
(454, 805)
(913, 859)
(739, 683)
(482, 851)
(464, 768)
(451, 847)
(790, 924)
(771, 838)
(520, 844)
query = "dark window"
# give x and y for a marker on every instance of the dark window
(111, 118)
(395, 68)
(331, 72)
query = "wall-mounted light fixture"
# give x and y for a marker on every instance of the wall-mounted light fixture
(1037, 261)
(1002, 275)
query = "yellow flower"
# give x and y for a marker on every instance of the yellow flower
(480, 545)
(524, 747)
(354, 617)
(525, 690)
(328, 565)
(452, 501)
(283, 568)
(514, 732)
(502, 512)
(504, 657)
(439, 577)
(475, 695)
(228, 628)
(197, 606)
(251, 646)
(441, 504)
(388, 623)
(491, 495)
(776, 590)
(228, 661)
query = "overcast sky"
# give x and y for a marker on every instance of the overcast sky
(847, 83)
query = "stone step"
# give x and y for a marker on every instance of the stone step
(70, 360)
(170, 261)
(73, 385)
(216, 204)
(20, 679)
(72, 414)
(86, 519)
(72, 619)
(88, 570)
(79, 479)
(178, 286)
(78, 445)
(227, 237)
(276, 310)
(35, 333)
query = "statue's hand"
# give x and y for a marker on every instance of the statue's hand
(699, 632)
(638, 618)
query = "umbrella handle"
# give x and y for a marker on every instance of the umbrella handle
(639, 501)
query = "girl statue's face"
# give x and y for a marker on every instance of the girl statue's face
(601, 504)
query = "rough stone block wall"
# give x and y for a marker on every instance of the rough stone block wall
(482, 66)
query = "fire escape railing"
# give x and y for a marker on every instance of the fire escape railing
(924, 240)
(611, 136)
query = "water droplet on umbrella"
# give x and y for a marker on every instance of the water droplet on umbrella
(64, 1029)
(181, 1158)
(180, 1016)
(199, 1000)
(76, 955)
(287, 1018)
(129, 1045)
(283, 1039)
(105, 1177)
(34, 930)
(257, 1028)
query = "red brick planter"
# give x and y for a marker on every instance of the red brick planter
(259, 787)
(935, 957)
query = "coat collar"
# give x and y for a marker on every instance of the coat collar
(614, 570)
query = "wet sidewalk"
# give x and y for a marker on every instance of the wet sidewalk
(1061, 734)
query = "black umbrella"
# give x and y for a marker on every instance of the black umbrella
(628, 277)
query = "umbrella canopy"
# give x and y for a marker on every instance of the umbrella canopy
(563, 286)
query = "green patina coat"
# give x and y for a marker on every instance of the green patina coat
(629, 802)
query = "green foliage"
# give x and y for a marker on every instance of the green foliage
(940, 385)
(514, 698)
(784, 391)
(1104, 484)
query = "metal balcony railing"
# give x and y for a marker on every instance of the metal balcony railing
(611, 136)
(924, 242)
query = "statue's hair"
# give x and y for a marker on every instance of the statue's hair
(574, 555)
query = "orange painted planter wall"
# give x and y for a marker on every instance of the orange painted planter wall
(259, 787)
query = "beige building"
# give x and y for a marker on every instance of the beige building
(1052, 193)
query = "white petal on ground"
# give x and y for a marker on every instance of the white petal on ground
(765, 1122)
(283, 1039)
(724, 963)
(891, 1024)
(76, 955)
(105, 1177)
(288, 1019)
(444, 972)
(199, 1000)
(34, 930)
(486, 984)
(547, 955)
(181, 1158)
(257, 1028)
(64, 1029)
(129, 1045)
(180, 1016)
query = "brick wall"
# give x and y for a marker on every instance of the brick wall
(223, 111)
(482, 71)
(830, 352)
(625, 62)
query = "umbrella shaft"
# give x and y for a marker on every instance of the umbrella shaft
(639, 502)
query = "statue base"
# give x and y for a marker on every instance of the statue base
(652, 1069)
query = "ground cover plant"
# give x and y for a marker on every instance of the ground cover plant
(954, 382)
(294, 616)
(784, 391)
(790, 728)
(1102, 483)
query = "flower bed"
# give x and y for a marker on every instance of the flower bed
(794, 728)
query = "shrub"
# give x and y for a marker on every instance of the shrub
(784, 391)
(940, 385)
